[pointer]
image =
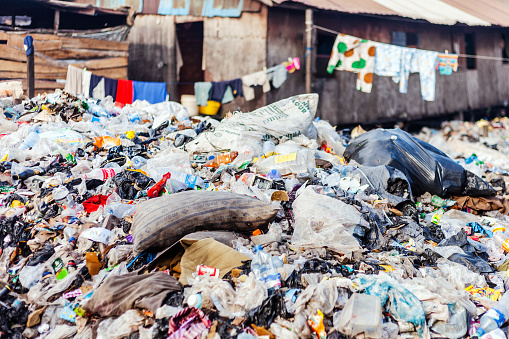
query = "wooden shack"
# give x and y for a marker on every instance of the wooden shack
(62, 37)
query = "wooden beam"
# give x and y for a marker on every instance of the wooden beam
(14, 66)
(94, 44)
(114, 73)
(79, 54)
(103, 63)
(42, 76)
(39, 45)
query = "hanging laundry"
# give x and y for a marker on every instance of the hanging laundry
(398, 62)
(277, 75)
(254, 79)
(218, 90)
(422, 62)
(97, 87)
(292, 65)
(74, 80)
(124, 92)
(387, 60)
(153, 92)
(355, 55)
(447, 63)
(201, 92)
(85, 83)
(110, 87)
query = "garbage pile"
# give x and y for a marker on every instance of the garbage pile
(142, 222)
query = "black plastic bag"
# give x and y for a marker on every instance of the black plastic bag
(426, 168)
(265, 314)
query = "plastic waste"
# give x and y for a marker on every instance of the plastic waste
(495, 317)
(362, 314)
(264, 268)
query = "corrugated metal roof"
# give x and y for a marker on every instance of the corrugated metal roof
(348, 6)
(434, 11)
(444, 12)
(496, 12)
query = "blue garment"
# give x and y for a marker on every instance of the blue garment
(398, 62)
(277, 75)
(153, 92)
(201, 92)
(218, 90)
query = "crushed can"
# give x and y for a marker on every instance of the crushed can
(207, 271)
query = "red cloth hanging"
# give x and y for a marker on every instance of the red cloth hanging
(124, 92)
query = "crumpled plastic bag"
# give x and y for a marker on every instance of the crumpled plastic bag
(322, 221)
(404, 306)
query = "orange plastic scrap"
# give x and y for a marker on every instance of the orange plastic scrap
(107, 142)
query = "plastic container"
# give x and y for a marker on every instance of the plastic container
(495, 317)
(101, 173)
(264, 270)
(189, 102)
(302, 161)
(138, 162)
(62, 197)
(362, 314)
(30, 140)
(501, 239)
(211, 109)
(221, 159)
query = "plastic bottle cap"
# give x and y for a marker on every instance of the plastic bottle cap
(194, 300)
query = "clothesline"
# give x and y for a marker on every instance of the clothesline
(484, 57)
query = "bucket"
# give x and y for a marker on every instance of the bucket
(189, 102)
(211, 108)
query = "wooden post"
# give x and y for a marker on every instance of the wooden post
(309, 35)
(56, 21)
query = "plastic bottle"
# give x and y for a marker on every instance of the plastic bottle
(501, 239)
(496, 334)
(28, 172)
(263, 268)
(30, 140)
(269, 146)
(221, 159)
(495, 317)
(101, 173)
(62, 196)
(138, 162)
(190, 180)
(70, 234)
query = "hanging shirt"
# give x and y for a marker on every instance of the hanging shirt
(201, 92)
(398, 62)
(74, 80)
(153, 92)
(254, 79)
(110, 87)
(124, 92)
(355, 55)
(96, 87)
(85, 83)
(447, 63)
(218, 90)
(422, 62)
(277, 75)
(387, 60)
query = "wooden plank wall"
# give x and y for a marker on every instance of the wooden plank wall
(54, 53)
(234, 47)
(341, 103)
(152, 51)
